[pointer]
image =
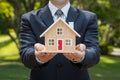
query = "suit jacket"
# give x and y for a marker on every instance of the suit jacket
(34, 23)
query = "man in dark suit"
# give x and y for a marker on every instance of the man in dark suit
(54, 66)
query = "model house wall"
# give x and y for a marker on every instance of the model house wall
(60, 38)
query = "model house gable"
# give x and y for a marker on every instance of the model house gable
(60, 29)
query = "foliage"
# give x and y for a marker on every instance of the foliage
(108, 15)
(105, 34)
(18, 7)
(6, 15)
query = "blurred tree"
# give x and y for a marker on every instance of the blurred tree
(109, 20)
(16, 8)
(6, 14)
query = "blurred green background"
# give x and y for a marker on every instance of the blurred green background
(108, 13)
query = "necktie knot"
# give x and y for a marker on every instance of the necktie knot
(59, 13)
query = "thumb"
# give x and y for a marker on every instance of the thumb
(78, 47)
(39, 47)
(82, 47)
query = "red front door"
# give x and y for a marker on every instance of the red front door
(60, 45)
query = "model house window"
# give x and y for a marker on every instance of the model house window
(68, 42)
(59, 31)
(51, 42)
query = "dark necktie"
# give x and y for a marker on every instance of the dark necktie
(59, 13)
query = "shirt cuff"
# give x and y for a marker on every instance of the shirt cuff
(41, 62)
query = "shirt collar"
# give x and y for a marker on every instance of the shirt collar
(53, 8)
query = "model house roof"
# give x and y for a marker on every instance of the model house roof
(56, 23)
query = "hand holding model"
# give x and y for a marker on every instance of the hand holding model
(78, 56)
(42, 56)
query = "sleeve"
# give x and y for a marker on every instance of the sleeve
(27, 41)
(92, 55)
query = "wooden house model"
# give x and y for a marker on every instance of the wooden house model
(60, 38)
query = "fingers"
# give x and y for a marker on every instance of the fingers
(45, 57)
(78, 55)
(68, 56)
(72, 57)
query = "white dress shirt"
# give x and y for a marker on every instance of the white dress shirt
(53, 9)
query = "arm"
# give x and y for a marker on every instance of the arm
(92, 52)
(27, 41)
(87, 54)
(30, 50)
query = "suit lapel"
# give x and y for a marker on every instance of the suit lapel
(72, 15)
(76, 16)
(47, 16)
